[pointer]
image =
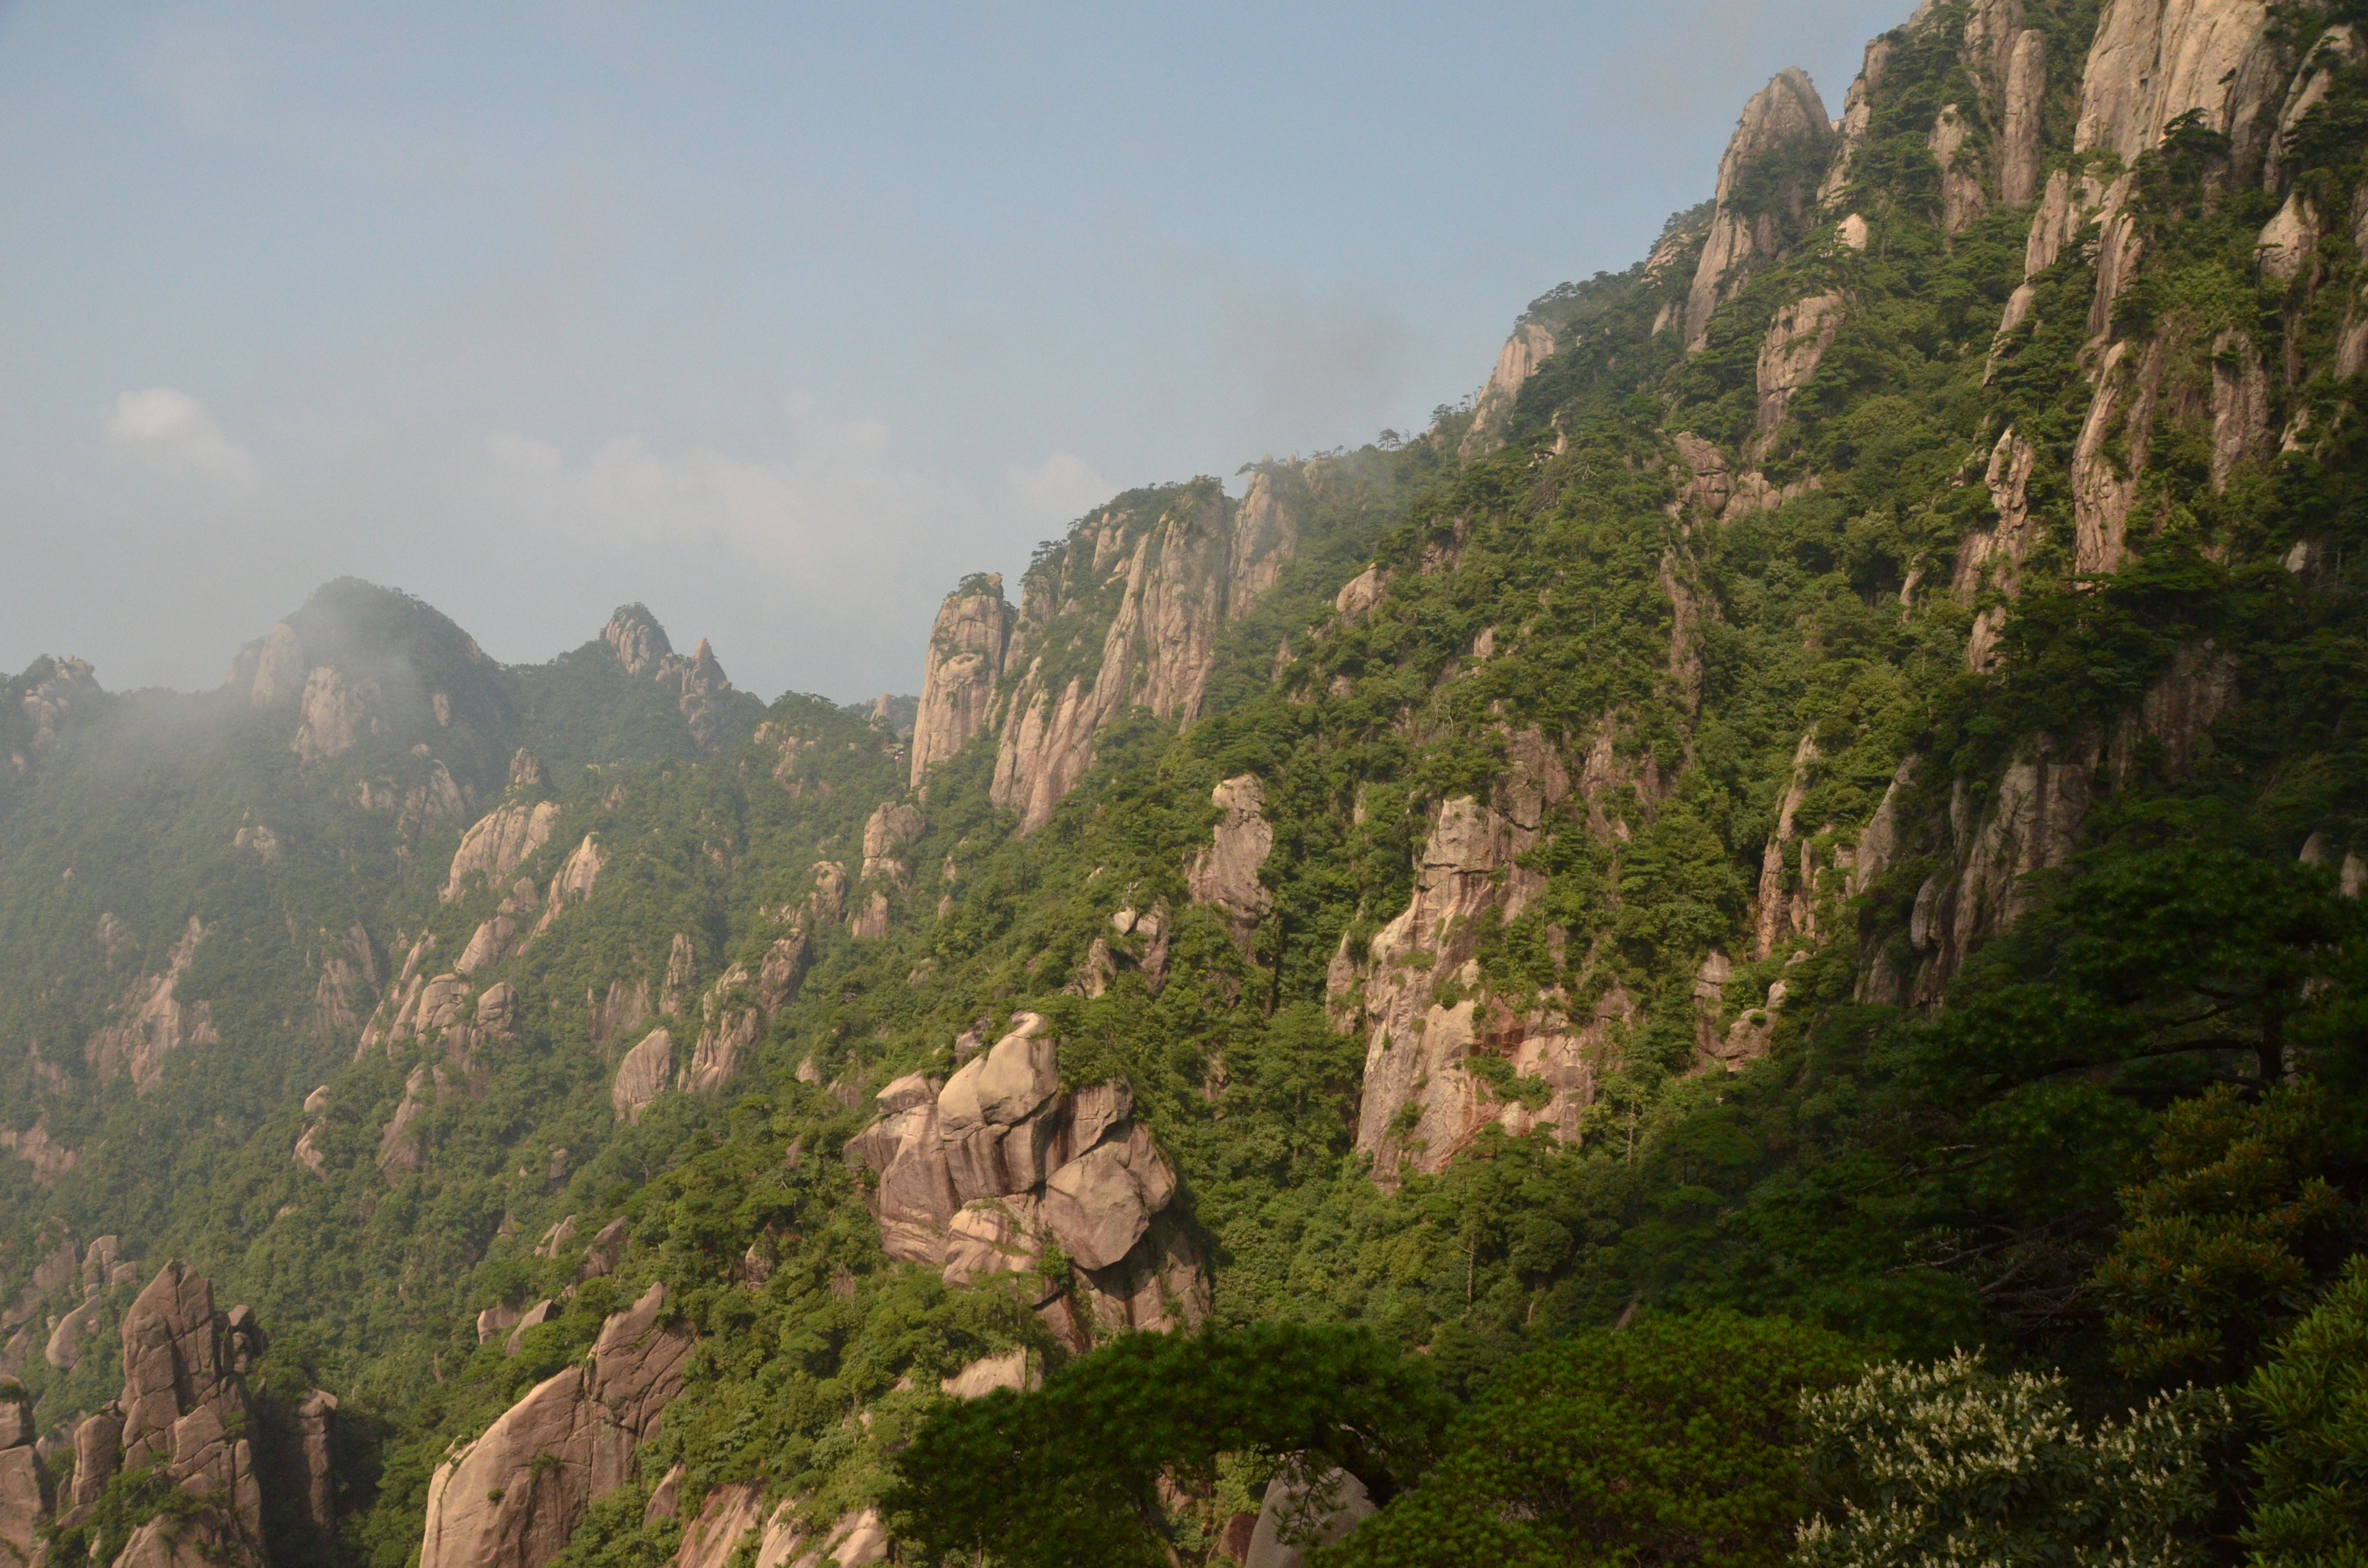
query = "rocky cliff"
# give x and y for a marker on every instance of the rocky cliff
(997, 1171)
(189, 1416)
(1534, 846)
(1125, 614)
(512, 1497)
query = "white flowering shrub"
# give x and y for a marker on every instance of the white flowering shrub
(1952, 1464)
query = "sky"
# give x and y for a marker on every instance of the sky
(777, 318)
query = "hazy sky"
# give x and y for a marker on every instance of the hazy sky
(779, 317)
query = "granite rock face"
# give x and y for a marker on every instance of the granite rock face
(1126, 615)
(1531, 345)
(702, 691)
(1225, 874)
(185, 1410)
(512, 1498)
(24, 1486)
(642, 1076)
(154, 1020)
(1785, 120)
(988, 1173)
(957, 679)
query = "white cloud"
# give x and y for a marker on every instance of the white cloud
(173, 433)
(1059, 489)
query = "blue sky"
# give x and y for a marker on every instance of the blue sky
(778, 318)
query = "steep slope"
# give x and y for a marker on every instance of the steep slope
(1626, 847)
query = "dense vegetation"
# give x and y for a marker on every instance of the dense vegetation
(2097, 1179)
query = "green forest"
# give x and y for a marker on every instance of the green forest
(1799, 992)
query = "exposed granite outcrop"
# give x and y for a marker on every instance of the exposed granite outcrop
(1265, 540)
(55, 689)
(1298, 1514)
(24, 1493)
(702, 691)
(1416, 994)
(1797, 344)
(642, 1076)
(1124, 615)
(185, 1410)
(891, 828)
(153, 1021)
(1225, 874)
(958, 680)
(2153, 61)
(1785, 119)
(982, 1174)
(512, 1497)
(1531, 345)
(499, 842)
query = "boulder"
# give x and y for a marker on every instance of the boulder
(982, 1376)
(1006, 1085)
(1298, 1516)
(972, 1196)
(535, 1316)
(74, 1331)
(1100, 1203)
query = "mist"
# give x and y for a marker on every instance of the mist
(777, 321)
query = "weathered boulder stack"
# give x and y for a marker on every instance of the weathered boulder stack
(187, 1412)
(999, 1171)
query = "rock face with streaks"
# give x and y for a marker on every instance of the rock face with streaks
(512, 1498)
(1531, 345)
(1785, 133)
(700, 691)
(957, 679)
(153, 1022)
(1796, 345)
(25, 1492)
(1125, 615)
(990, 1172)
(1431, 1029)
(498, 844)
(1225, 874)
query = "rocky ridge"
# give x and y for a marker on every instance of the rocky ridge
(1127, 614)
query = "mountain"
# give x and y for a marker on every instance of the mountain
(1831, 790)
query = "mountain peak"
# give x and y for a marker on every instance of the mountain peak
(637, 637)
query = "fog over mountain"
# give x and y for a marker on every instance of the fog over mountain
(760, 315)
